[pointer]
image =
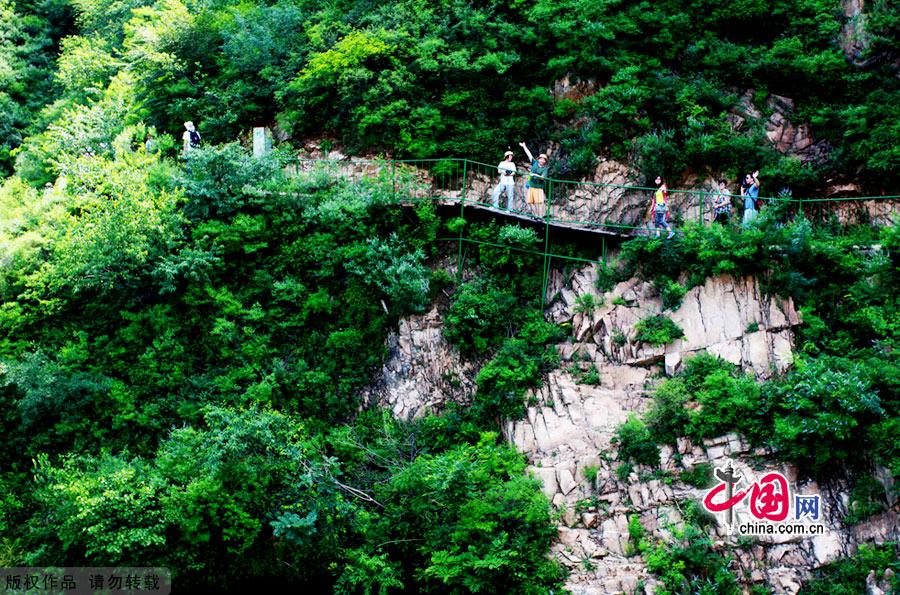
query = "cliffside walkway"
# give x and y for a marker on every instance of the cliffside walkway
(606, 209)
(573, 208)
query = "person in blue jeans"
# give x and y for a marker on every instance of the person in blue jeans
(659, 208)
(750, 194)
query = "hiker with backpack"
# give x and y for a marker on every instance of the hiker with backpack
(750, 194)
(190, 137)
(659, 208)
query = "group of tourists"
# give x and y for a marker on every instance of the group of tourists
(534, 182)
(538, 175)
(749, 196)
(721, 203)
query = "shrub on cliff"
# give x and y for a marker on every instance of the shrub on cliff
(519, 365)
(636, 443)
(822, 411)
(480, 317)
(467, 520)
(657, 330)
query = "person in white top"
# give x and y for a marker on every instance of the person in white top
(190, 137)
(507, 171)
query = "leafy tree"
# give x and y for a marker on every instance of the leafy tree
(636, 443)
(483, 527)
(657, 330)
(27, 52)
(820, 406)
(518, 365)
(86, 66)
(103, 510)
(479, 317)
(398, 274)
(184, 342)
(843, 577)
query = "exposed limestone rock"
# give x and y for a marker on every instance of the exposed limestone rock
(715, 317)
(609, 196)
(880, 528)
(854, 35)
(871, 587)
(570, 427)
(728, 316)
(882, 585)
(423, 372)
(784, 134)
(564, 88)
(827, 548)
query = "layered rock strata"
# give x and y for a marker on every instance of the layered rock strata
(567, 433)
(423, 372)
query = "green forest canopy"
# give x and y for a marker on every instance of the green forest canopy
(659, 81)
(181, 359)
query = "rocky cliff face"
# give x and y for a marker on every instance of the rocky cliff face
(854, 35)
(716, 317)
(569, 427)
(571, 430)
(423, 372)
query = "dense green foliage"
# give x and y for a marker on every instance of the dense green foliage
(251, 493)
(699, 476)
(726, 400)
(518, 365)
(636, 443)
(692, 566)
(490, 532)
(484, 319)
(182, 355)
(657, 330)
(844, 390)
(848, 576)
(31, 32)
(183, 342)
(823, 407)
(479, 318)
(251, 297)
(669, 84)
(834, 412)
(688, 564)
(825, 413)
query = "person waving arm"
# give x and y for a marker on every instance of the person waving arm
(527, 152)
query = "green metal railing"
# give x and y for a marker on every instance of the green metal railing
(613, 209)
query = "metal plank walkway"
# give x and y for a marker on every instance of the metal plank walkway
(526, 217)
